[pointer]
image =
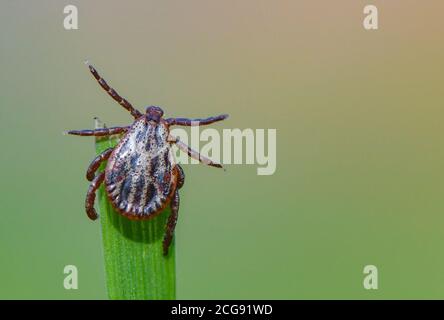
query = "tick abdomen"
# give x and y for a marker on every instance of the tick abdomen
(139, 176)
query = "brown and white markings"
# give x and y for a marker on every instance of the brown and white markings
(141, 177)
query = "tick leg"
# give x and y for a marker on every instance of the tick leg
(91, 196)
(122, 101)
(195, 122)
(171, 223)
(98, 132)
(194, 154)
(181, 178)
(95, 164)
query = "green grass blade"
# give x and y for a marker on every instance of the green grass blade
(134, 263)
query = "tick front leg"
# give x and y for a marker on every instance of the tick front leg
(171, 224)
(91, 196)
(195, 122)
(192, 153)
(95, 164)
(113, 93)
(98, 132)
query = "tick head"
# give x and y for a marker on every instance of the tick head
(154, 113)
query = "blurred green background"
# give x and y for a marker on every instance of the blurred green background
(358, 115)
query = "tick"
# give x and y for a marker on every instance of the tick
(141, 176)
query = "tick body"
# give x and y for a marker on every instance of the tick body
(141, 176)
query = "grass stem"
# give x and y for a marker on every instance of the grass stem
(134, 263)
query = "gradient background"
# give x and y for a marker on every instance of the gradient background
(358, 115)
